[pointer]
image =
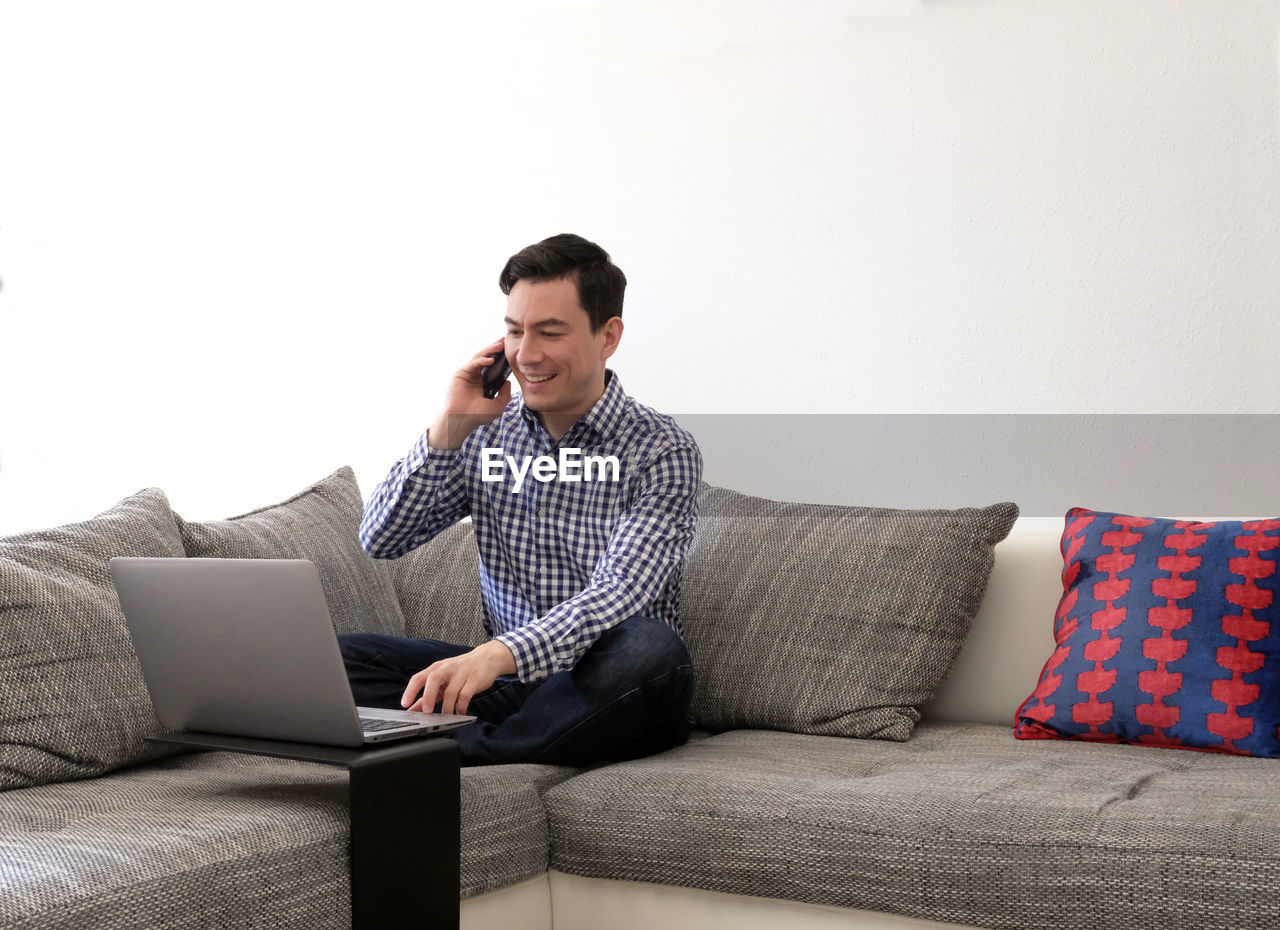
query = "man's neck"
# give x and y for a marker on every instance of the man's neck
(557, 424)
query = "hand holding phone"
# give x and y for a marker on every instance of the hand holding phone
(463, 411)
(492, 376)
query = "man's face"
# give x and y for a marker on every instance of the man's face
(556, 358)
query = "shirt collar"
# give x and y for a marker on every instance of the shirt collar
(605, 415)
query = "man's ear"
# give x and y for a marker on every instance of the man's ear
(612, 335)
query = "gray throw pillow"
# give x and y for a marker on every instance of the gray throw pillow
(72, 700)
(320, 523)
(438, 584)
(831, 620)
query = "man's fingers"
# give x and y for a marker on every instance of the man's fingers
(428, 681)
(450, 695)
(437, 680)
(458, 695)
(412, 688)
(486, 355)
(451, 683)
(464, 698)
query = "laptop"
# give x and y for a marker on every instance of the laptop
(245, 647)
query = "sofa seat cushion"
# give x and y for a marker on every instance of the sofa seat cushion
(961, 823)
(198, 840)
(228, 840)
(505, 838)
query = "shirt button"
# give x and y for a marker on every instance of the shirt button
(542, 512)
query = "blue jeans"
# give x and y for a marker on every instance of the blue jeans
(628, 696)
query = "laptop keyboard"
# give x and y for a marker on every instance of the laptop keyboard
(373, 725)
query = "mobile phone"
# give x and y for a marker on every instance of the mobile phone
(492, 376)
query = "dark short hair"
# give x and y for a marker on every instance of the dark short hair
(600, 282)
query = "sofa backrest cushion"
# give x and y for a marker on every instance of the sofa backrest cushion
(320, 523)
(73, 703)
(438, 584)
(826, 619)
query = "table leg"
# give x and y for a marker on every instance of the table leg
(405, 837)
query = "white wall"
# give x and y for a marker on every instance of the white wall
(243, 243)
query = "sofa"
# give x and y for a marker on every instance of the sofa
(854, 762)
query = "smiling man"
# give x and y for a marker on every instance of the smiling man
(580, 566)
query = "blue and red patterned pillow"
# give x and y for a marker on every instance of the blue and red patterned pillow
(1168, 634)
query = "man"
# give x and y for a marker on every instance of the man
(580, 566)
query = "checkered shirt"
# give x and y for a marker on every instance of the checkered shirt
(561, 561)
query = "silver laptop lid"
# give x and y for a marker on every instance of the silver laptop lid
(239, 646)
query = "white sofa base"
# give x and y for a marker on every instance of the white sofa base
(570, 902)
(526, 905)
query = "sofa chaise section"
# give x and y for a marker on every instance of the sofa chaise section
(227, 840)
(961, 823)
(197, 840)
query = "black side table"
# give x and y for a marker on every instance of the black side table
(405, 823)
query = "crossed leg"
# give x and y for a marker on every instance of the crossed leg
(628, 696)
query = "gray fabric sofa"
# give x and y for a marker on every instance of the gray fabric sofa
(854, 764)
